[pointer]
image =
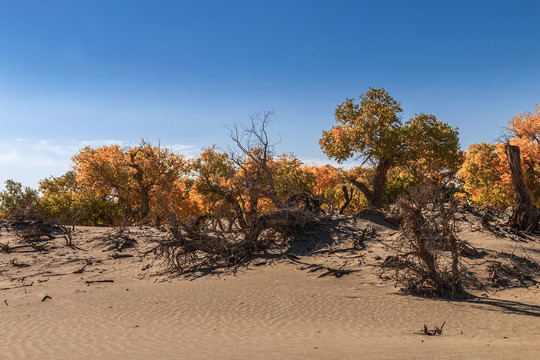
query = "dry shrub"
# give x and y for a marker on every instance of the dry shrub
(67, 222)
(120, 236)
(512, 270)
(26, 214)
(427, 259)
(235, 225)
(29, 225)
(223, 241)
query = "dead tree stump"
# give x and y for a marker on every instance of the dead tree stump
(525, 216)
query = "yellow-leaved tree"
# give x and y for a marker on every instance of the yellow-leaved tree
(486, 173)
(484, 177)
(373, 131)
(135, 176)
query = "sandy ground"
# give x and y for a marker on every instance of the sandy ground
(272, 309)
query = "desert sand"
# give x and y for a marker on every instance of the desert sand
(53, 304)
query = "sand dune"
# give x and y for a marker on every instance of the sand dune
(278, 310)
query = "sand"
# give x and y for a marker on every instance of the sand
(271, 309)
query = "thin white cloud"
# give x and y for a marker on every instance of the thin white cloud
(98, 143)
(9, 158)
(44, 146)
(177, 148)
(21, 160)
(183, 149)
(30, 160)
(321, 162)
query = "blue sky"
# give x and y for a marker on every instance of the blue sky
(75, 73)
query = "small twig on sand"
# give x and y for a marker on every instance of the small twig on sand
(15, 263)
(436, 331)
(120, 256)
(336, 272)
(329, 270)
(17, 287)
(80, 271)
(50, 275)
(88, 282)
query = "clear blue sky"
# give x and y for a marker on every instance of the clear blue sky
(96, 72)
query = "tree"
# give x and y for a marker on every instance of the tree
(432, 148)
(16, 197)
(254, 157)
(483, 175)
(486, 171)
(290, 176)
(329, 183)
(63, 200)
(103, 172)
(132, 175)
(525, 216)
(214, 181)
(373, 131)
(524, 131)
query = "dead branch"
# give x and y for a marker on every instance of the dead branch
(80, 271)
(436, 331)
(336, 272)
(88, 282)
(121, 256)
(17, 287)
(8, 249)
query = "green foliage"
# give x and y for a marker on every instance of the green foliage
(16, 197)
(290, 176)
(432, 146)
(371, 129)
(397, 183)
(64, 201)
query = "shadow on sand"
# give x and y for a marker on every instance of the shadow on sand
(508, 306)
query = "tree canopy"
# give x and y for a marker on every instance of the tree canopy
(372, 130)
(486, 173)
(135, 176)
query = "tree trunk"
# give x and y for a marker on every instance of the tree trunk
(374, 197)
(525, 216)
(144, 209)
(380, 181)
(348, 198)
(145, 205)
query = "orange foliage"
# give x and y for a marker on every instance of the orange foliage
(485, 171)
(326, 178)
(136, 176)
